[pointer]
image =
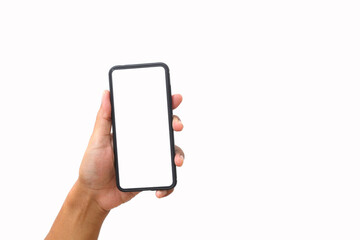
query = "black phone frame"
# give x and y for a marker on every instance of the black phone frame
(170, 119)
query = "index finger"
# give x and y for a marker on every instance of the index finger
(176, 100)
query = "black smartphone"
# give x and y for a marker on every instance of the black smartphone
(141, 106)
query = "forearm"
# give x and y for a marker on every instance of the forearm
(79, 218)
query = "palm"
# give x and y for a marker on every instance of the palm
(97, 173)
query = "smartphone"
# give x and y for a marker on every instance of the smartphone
(143, 137)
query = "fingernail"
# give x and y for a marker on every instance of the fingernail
(161, 194)
(180, 160)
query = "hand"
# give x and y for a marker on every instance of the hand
(97, 174)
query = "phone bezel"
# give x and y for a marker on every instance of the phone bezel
(170, 117)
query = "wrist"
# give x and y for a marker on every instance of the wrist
(80, 216)
(84, 199)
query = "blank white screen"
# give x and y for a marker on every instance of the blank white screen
(142, 129)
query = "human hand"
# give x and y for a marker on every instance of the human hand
(97, 174)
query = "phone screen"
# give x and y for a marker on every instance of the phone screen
(143, 135)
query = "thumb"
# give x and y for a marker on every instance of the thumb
(103, 118)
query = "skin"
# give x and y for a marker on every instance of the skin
(95, 193)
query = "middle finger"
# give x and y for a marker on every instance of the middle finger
(177, 124)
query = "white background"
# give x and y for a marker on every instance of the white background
(271, 114)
